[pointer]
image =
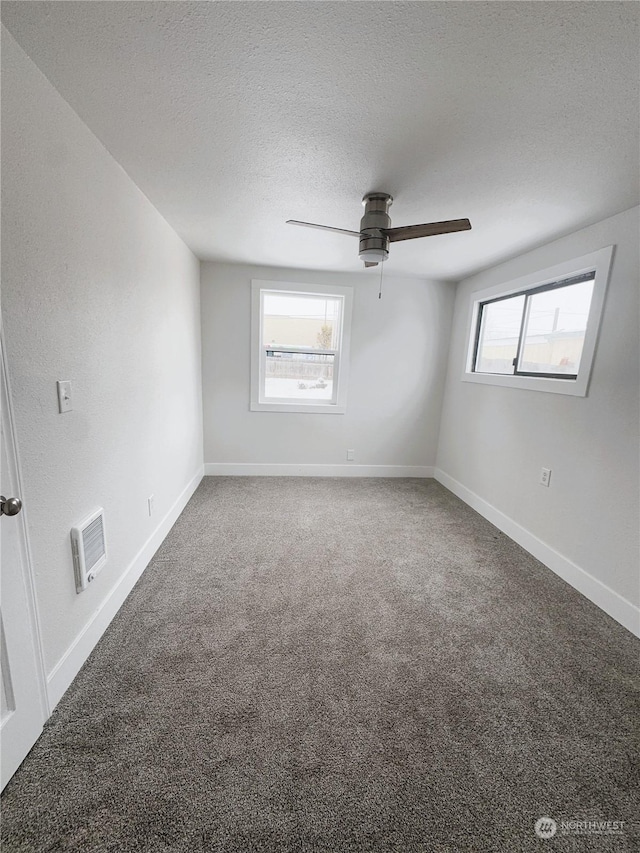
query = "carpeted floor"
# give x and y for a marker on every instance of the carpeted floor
(338, 665)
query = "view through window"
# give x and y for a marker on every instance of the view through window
(300, 342)
(539, 332)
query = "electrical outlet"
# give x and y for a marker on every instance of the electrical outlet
(151, 501)
(351, 455)
(545, 477)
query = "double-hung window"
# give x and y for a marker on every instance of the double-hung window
(540, 332)
(300, 347)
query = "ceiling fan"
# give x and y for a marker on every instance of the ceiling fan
(376, 232)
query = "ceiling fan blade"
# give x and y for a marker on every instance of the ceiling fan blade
(323, 227)
(429, 229)
(370, 264)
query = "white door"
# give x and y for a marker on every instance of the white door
(22, 699)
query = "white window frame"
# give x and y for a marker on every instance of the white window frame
(599, 262)
(338, 404)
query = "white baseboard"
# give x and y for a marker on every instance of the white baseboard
(72, 660)
(623, 611)
(277, 469)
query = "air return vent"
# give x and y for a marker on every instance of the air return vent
(89, 548)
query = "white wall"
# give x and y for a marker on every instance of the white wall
(398, 359)
(494, 440)
(97, 289)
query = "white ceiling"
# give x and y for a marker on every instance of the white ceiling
(235, 116)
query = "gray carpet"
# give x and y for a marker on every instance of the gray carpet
(338, 665)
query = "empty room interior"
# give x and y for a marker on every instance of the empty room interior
(320, 427)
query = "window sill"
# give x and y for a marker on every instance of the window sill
(570, 387)
(302, 408)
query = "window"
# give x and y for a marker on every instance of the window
(300, 347)
(536, 333)
(540, 332)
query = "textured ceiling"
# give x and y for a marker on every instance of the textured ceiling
(233, 117)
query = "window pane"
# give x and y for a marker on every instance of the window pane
(555, 329)
(300, 320)
(298, 376)
(499, 332)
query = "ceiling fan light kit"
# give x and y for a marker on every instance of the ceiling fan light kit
(376, 232)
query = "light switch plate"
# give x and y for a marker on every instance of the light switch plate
(65, 404)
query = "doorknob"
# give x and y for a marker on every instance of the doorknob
(10, 506)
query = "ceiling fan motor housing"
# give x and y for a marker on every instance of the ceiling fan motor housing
(374, 244)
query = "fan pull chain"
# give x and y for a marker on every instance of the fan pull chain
(380, 291)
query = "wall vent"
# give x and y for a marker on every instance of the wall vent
(89, 549)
